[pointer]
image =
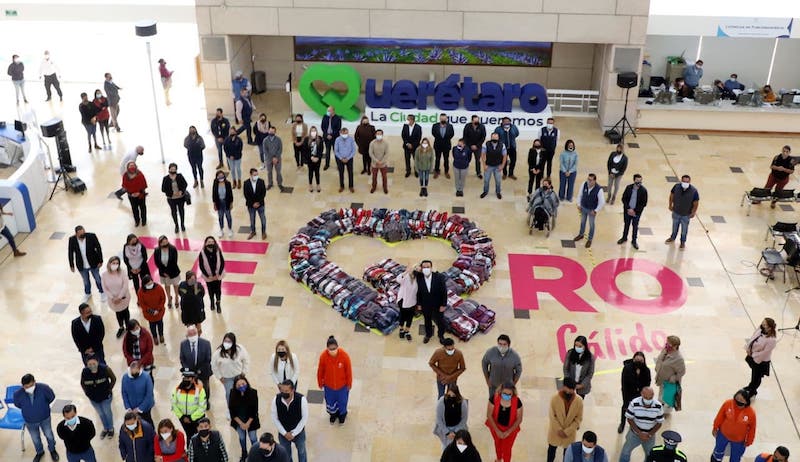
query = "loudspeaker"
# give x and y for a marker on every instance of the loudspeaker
(64, 157)
(146, 29)
(627, 79)
(258, 80)
(51, 128)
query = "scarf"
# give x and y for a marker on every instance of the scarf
(216, 270)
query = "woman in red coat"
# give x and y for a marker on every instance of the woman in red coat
(169, 444)
(101, 104)
(137, 344)
(503, 417)
(135, 184)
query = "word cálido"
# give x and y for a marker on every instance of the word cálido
(611, 343)
(449, 95)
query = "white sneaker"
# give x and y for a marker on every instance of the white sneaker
(230, 233)
(103, 297)
(262, 167)
(86, 298)
(221, 232)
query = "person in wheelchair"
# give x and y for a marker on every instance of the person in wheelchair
(542, 206)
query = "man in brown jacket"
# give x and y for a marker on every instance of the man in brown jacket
(378, 154)
(448, 363)
(566, 414)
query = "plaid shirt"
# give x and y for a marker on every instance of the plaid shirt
(193, 457)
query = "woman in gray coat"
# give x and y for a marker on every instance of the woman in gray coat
(579, 366)
(452, 411)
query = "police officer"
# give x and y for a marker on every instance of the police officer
(667, 452)
(189, 402)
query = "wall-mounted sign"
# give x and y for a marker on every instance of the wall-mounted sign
(755, 27)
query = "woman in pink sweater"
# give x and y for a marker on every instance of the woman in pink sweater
(117, 287)
(759, 353)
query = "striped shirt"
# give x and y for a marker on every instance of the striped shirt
(645, 418)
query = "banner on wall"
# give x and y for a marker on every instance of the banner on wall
(755, 27)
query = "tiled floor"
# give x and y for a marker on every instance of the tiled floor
(392, 401)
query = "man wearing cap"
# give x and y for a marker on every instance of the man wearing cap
(645, 415)
(586, 450)
(669, 452)
(189, 402)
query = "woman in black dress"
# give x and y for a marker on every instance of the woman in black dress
(192, 308)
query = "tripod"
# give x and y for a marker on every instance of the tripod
(623, 123)
(63, 175)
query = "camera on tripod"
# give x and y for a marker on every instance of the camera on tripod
(54, 128)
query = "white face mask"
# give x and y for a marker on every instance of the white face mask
(136, 332)
(426, 272)
(114, 266)
(450, 352)
(378, 137)
(344, 136)
(150, 286)
(502, 349)
(549, 126)
(254, 177)
(130, 427)
(30, 390)
(192, 338)
(227, 345)
(424, 145)
(587, 450)
(165, 436)
(685, 185)
(313, 134)
(461, 447)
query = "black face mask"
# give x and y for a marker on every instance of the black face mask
(135, 374)
(211, 247)
(204, 433)
(286, 395)
(187, 385)
(281, 354)
(568, 396)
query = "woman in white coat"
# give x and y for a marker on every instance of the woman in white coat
(283, 365)
(229, 361)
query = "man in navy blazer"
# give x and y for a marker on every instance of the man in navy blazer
(412, 136)
(331, 126)
(196, 355)
(85, 254)
(432, 299)
(88, 332)
(443, 134)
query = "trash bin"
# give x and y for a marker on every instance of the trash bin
(259, 81)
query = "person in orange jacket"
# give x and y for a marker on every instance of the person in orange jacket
(735, 424)
(335, 377)
(781, 454)
(151, 300)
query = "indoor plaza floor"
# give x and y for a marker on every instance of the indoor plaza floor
(393, 397)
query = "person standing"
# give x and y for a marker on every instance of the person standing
(166, 79)
(669, 452)
(591, 200)
(112, 91)
(448, 363)
(243, 409)
(7, 234)
(290, 415)
(443, 134)
(130, 156)
(244, 114)
(229, 360)
(634, 200)
(567, 169)
(423, 163)
(189, 402)
(192, 309)
(88, 113)
(335, 377)
(431, 299)
(781, 168)
(77, 433)
(692, 75)
(134, 254)
(504, 417)
(313, 152)
(220, 128)
(152, 298)
(759, 354)
(635, 377)
(617, 164)
(174, 185)
(137, 345)
(508, 136)
(97, 382)
(207, 445)
(537, 157)
(135, 184)
(412, 136)
(137, 392)
(212, 265)
(407, 299)
(461, 158)
(493, 160)
(452, 413)
(195, 355)
(116, 284)
(579, 366)
(239, 83)
(501, 364)
(379, 157)
(461, 449)
(166, 260)
(474, 135)
(267, 450)
(136, 439)
(331, 127)
(34, 400)
(734, 425)
(345, 149)
(88, 332)
(300, 131)
(273, 151)
(586, 450)
(683, 202)
(169, 443)
(49, 71)
(85, 254)
(645, 415)
(549, 138)
(261, 130)
(365, 133)
(222, 198)
(670, 369)
(195, 145)
(566, 414)
(101, 104)
(233, 152)
(16, 70)
(255, 191)
(284, 365)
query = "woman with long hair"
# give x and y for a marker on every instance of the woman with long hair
(635, 377)
(284, 365)
(423, 162)
(759, 353)
(192, 308)
(137, 345)
(195, 146)
(243, 408)
(117, 289)
(174, 185)
(101, 104)
(461, 449)
(503, 417)
(579, 366)
(212, 265)
(134, 254)
(312, 156)
(229, 361)
(452, 411)
(166, 258)
(170, 443)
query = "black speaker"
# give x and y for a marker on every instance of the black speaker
(627, 79)
(51, 128)
(146, 28)
(64, 157)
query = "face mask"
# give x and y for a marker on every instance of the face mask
(150, 286)
(254, 177)
(461, 447)
(242, 389)
(424, 145)
(494, 141)
(114, 266)
(685, 186)
(506, 125)
(670, 447)
(97, 95)
(262, 120)
(579, 350)
(741, 405)
(30, 390)
(364, 122)
(131, 427)
(136, 374)
(136, 332)
(330, 113)
(192, 282)
(378, 137)
(271, 135)
(475, 123)
(568, 395)
(647, 402)
(165, 436)
(502, 349)
(267, 452)
(313, 134)
(733, 79)
(426, 272)
(192, 338)
(281, 354)
(173, 172)
(16, 60)
(72, 422)
(298, 121)
(93, 369)
(131, 169)
(210, 247)
(571, 148)
(286, 395)
(537, 147)
(587, 450)
(204, 433)
(637, 183)
(549, 126)
(164, 245)
(450, 352)
(227, 345)
(344, 136)
(221, 179)
(187, 385)
(506, 396)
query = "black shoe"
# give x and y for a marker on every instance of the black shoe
(333, 418)
(54, 455)
(480, 176)
(408, 174)
(416, 174)
(635, 245)
(459, 194)
(421, 192)
(341, 419)
(621, 427)
(499, 196)
(183, 228)
(120, 331)
(426, 339)
(103, 434)
(402, 333)
(622, 240)
(243, 458)
(219, 308)
(484, 195)
(408, 336)
(326, 168)
(136, 223)
(110, 434)
(38, 457)
(176, 228)
(269, 186)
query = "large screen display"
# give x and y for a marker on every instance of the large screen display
(411, 51)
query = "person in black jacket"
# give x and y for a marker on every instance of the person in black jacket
(474, 136)
(206, 445)
(412, 136)
(331, 127)
(243, 409)
(617, 164)
(537, 157)
(77, 433)
(17, 72)
(312, 157)
(195, 355)
(635, 376)
(634, 200)
(233, 151)
(174, 185)
(97, 382)
(195, 145)
(134, 254)
(212, 264)
(219, 128)
(461, 449)
(89, 120)
(255, 191)
(443, 134)
(222, 198)
(88, 332)
(192, 307)
(85, 254)
(432, 299)
(166, 259)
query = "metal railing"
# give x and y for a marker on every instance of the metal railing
(578, 101)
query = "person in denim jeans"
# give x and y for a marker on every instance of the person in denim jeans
(77, 433)
(85, 253)
(590, 201)
(233, 151)
(243, 409)
(290, 415)
(34, 401)
(567, 168)
(645, 415)
(97, 381)
(683, 202)
(493, 161)
(222, 198)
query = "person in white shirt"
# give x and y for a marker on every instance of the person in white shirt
(229, 361)
(49, 71)
(407, 299)
(131, 156)
(590, 201)
(284, 365)
(290, 414)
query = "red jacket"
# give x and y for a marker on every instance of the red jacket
(133, 185)
(145, 348)
(737, 424)
(180, 445)
(152, 302)
(334, 372)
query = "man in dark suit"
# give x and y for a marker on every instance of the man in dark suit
(432, 299)
(255, 191)
(88, 332)
(443, 134)
(196, 355)
(474, 136)
(331, 127)
(85, 254)
(537, 157)
(412, 136)
(634, 200)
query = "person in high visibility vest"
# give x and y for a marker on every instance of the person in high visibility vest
(667, 452)
(189, 402)
(781, 454)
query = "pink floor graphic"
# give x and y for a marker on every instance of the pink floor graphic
(239, 248)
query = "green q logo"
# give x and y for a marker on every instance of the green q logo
(344, 104)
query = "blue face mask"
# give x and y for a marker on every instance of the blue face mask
(579, 350)
(243, 388)
(506, 396)
(72, 422)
